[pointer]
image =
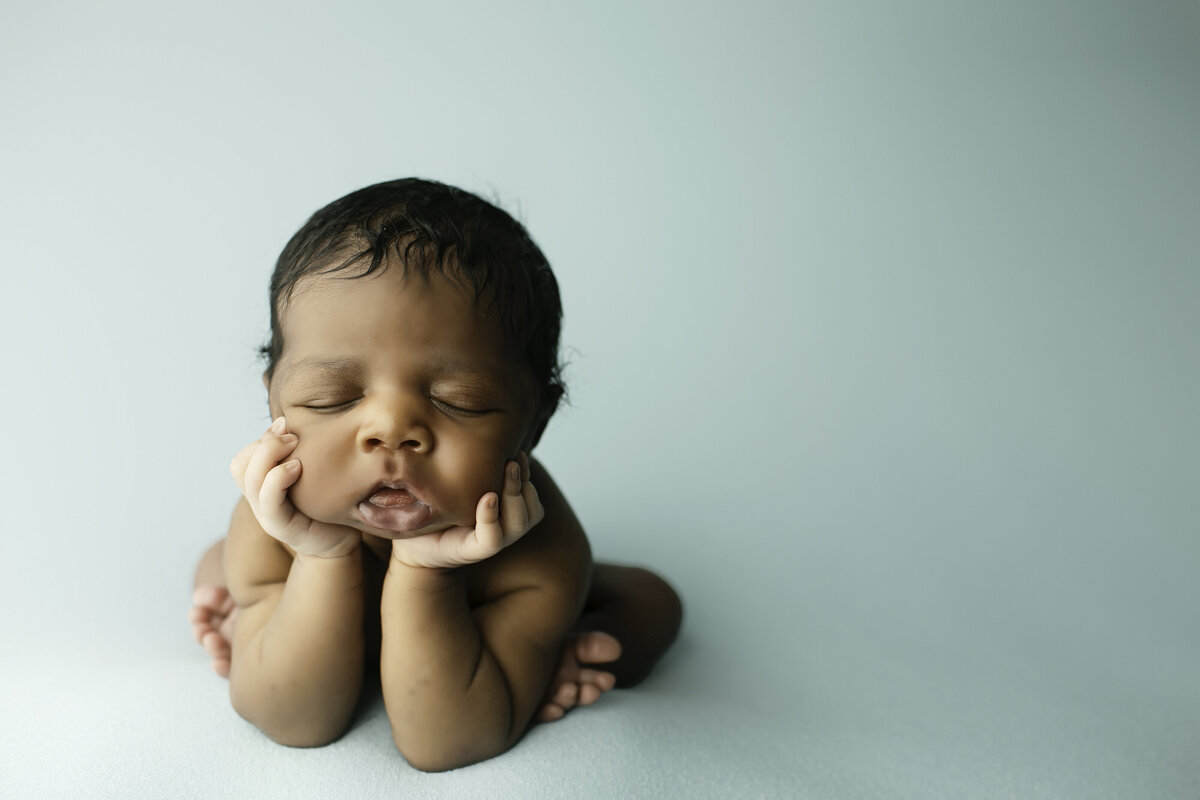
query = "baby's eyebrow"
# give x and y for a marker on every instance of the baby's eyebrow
(336, 367)
(350, 368)
(446, 366)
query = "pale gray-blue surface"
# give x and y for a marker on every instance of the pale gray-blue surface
(883, 330)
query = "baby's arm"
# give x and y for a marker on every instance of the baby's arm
(462, 684)
(297, 660)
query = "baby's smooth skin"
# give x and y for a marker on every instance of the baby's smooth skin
(391, 517)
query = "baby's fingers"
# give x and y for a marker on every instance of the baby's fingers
(489, 537)
(237, 467)
(513, 511)
(270, 450)
(275, 512)
(533, 503)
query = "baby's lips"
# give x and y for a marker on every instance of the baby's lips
(392, 498)
(396, 490)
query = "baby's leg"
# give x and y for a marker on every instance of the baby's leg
(630, 619)
(640, 609)
(213, 610)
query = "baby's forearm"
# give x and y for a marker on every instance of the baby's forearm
(445, 695)
(297, 667)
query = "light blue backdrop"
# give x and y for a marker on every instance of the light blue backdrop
(882, 321)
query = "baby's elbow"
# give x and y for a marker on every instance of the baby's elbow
(304, 737)
(434, 765)
(429, 757)
(287, 732)
(427, 760)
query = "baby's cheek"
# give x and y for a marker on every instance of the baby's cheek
(307, 493)
(476, 477)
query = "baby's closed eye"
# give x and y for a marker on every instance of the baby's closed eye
(330, 398)
(330, 405)
(460, 407)
(464, 399)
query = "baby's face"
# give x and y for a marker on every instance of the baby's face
(406, 401)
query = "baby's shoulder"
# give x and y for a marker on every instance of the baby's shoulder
(546, 560)
(554, 557)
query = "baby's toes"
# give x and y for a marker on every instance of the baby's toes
(214, 597)
(594, 677)
(203, 619)
(592, 684)
(551, 712)
(199, 629)
(596, 647)
(588, 694)
(215, 645)
(566, 695)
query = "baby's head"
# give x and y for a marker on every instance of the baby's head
(414, 339)
(431, 229)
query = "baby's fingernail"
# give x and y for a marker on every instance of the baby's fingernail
(292, 465)
(514, 471)
(289, 438)
(491, 502)
(277, 426)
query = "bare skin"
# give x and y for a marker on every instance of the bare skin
(591, 662)
(392, 520)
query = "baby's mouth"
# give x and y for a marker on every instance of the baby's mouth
(395, 508)
(385, 497)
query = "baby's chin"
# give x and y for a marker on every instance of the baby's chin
(401, 528)
(391, 536)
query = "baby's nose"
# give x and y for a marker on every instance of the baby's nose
(395, 425)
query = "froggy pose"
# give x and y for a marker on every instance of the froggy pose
(392, 518)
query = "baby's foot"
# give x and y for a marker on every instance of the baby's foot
(212, 614)
(573, 683)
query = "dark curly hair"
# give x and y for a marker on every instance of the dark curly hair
(432, 228)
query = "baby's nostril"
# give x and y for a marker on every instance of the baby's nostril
(414, 444)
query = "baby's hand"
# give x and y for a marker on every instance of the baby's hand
(265, 483)
(499, 521)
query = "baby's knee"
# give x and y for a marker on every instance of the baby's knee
(656, 595)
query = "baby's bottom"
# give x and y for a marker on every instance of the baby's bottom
(629, 620)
